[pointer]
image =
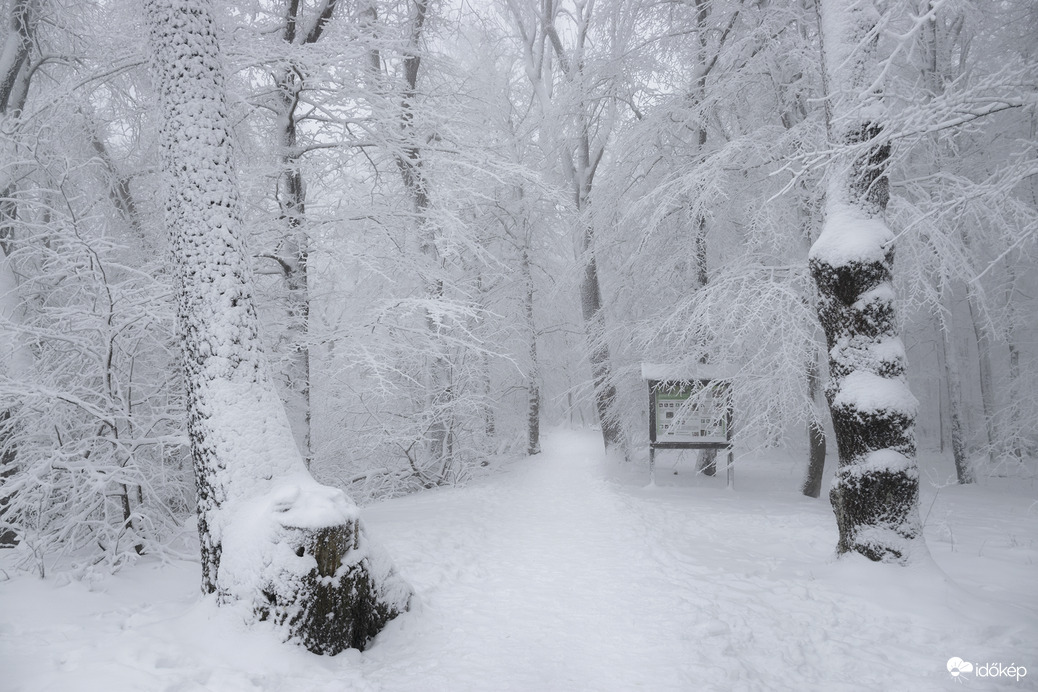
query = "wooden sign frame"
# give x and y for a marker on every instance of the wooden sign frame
(694, 427)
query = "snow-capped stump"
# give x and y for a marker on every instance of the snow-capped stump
(347, 596)
(299, 558)
(317, 578)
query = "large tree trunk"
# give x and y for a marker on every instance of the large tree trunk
(580, 165)
(875, 495)
(270, 536)
(706, 459)
(8, 536)
(582, 173)
(1012, 445)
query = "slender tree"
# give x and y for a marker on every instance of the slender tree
(293, 252)
(14, 83)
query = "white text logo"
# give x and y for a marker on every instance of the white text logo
(958, 667)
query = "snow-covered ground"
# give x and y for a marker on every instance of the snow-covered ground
(563, 572)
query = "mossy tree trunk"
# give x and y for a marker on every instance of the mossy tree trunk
(875, 494)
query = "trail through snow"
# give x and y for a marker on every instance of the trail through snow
(563, 572)
(558, 589)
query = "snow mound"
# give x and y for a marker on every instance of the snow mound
(850, 237)
(869, 392)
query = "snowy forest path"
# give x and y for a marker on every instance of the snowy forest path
(561, 579)
(566, 572)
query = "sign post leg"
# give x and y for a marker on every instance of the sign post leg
(652, 465)
(730, 470)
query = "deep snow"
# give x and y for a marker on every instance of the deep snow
(563, 572)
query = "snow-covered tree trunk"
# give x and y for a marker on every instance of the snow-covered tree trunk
(985, 339)
(14, 83)
(812, 486)
(439, 387)
(8, 537)
(706, 459)
(953, 381)
(594, 320)
(272, 539)
(875, 494)
(533, 389)
(1012, 445)
(293, 251)
(580, 162)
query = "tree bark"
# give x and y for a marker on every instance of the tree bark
(580, 165)
(598, 347)
(270, 536)
(8, 536)
(439, 442)
(294, 251)
(1012, 416)
(706, 459)
(14, 86)
(953, 380)
(984, 339)
(533, 390)
(875, 494)
(16, 49)
(812, 486)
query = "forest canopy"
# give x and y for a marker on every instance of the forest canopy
(468, 221)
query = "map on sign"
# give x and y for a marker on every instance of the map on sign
(692, 414)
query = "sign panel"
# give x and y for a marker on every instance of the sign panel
(695, 413)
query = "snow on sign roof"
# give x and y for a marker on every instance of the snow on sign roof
(670, 372)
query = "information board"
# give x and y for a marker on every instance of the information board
(690, 413)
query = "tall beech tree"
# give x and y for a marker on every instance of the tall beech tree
(291, 550)
(875, 494)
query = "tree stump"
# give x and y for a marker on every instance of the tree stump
(341, 598)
